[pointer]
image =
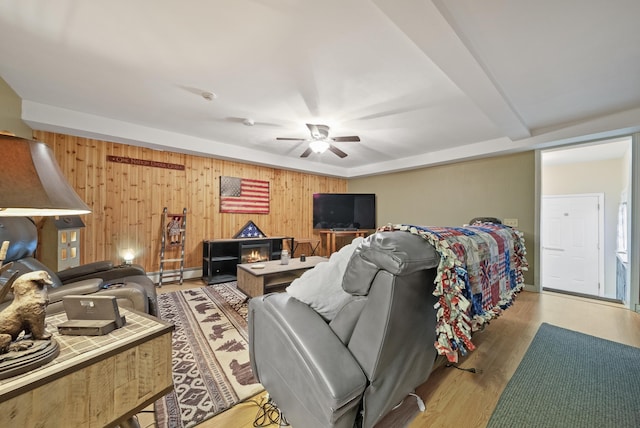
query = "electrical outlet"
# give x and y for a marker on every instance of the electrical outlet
(511, 222)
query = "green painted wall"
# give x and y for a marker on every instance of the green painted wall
(11, 112)
(452, 194)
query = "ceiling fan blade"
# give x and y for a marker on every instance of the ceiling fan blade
(290, 139)
(337, 151)
(306, 152)
(353, 138)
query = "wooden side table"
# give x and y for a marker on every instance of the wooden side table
(274, 276)
(96, 381)
(330, 237)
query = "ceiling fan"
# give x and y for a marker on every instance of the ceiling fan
(320, 141)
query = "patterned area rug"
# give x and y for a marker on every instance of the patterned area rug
(211, 369)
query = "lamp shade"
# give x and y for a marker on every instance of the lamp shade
(31, 182)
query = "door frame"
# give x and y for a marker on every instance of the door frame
(601, 201)
(633, 291)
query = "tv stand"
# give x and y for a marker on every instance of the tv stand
(328, 238)
(220, 257)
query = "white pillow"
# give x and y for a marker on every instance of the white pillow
(321, 287)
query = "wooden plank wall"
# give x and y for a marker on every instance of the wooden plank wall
(127, 200)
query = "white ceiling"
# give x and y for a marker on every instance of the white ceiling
(421, 82)
(617, 148)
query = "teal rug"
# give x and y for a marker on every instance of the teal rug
(568, 379)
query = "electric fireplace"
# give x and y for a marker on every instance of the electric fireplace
(253, 252)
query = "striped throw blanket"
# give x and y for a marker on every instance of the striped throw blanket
(480, 272)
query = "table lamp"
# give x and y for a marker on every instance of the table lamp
(31, 182)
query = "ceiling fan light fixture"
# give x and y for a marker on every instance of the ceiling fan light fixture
(318, 146)
(320, 141)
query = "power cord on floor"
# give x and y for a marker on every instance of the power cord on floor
(269, 414)
(470, 370)
(419, 402)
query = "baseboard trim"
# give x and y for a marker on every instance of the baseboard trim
(586, 296)
(188, 273)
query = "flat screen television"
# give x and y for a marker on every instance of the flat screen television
(344, 211)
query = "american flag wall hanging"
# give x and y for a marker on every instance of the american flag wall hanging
(244, 196)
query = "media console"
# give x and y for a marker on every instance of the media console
(220, 257)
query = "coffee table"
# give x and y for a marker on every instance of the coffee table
(273, 276)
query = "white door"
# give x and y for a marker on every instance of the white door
(571, 250)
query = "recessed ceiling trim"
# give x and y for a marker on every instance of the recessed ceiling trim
(433, 34)
(55, 119)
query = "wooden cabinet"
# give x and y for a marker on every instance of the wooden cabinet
(220, 257)
(95, 381)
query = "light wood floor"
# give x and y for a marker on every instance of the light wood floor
(457, 398)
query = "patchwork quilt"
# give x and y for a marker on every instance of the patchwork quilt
(480, 272)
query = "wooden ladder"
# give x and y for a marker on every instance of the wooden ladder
(174, 230)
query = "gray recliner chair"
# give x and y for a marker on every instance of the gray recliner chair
(129, 284)
(353, 370)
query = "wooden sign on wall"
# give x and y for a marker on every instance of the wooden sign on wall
(142, 162)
